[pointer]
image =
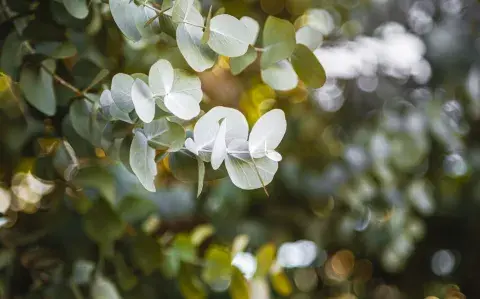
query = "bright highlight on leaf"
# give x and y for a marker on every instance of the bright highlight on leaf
(143, 101)
(228, 36)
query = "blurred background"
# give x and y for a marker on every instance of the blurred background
(377, 195)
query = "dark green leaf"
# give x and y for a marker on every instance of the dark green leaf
(37, 85)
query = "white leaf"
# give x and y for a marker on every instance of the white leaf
(122, 13)
(207, 127)
(191, 146)
(187, 83)
(142, 161)
(267, 133)
(219, 151)
(160, 77)
(309, 37)
(280, 76)
(122, 92)
(228, 36)
(110, 109)
(241, 168)
(185, 11)
(253, 29)
(143, 101)
(199, 56)
(274, 155)
(182, 105)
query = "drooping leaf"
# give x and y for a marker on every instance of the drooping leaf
(267, 133)
(122, 91)
(37, 86)
(307, 66)
(238, 287)
(142, 161)
(200, 57)
(239, 64)
(243, 171)
(309, 37)
(103, 225)
(219, 151)
(280, 76)
(110, 108)
(228, 36)
(122, 12)
(253, 29)
(278, 41)
(143, 100)
(77, 8)
(201, 175)
(162, 134)
(184, 167)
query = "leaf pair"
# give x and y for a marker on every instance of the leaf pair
(250, 163)
(174, 91)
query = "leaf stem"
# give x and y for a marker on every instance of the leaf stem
(260, 177)
(260, 49)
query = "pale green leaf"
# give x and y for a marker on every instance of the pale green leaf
(307, 66)
(123, 12)
(77, 8)
(280, 76)
(217, 265)
(162, 134)
(187, 83)
(142, 161)
(143, 100)
(144, 15)
(111, 110)
(161, 77)
(253, 29)
(278, 41)
(184, 11)
(243, 170)
(228, 36)
(103, 288)
(309, 37)
(182, 105)
(37, 86)
(200, 57)
(122, 91)
(239, 64)
(201, 175)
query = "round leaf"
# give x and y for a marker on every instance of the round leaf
(228, 36)
(280, 76)
(307, 66)
(253, 28)
(267, 133)
(77, 8)
(160, 77)
(182, 105)
(122, 91)
(162, 134)
(199, 56)
(239, 64)
(278, 41)
(122, 13)
(37, 85)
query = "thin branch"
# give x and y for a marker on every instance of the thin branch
(260, 49)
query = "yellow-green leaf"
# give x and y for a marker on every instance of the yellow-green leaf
(265, 258)
(281, 284)
(238, 286)
(307, 66)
